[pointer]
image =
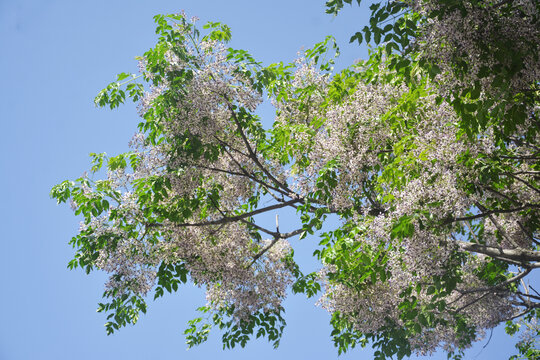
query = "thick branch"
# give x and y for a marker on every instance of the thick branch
(521, 256)
(489, 212)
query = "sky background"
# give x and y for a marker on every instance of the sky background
(56, 56)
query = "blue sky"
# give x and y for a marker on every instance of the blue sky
(56, 56)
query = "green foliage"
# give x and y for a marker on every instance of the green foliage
(528, 347)
(113, 95)
(124, 309)
(143, 209)
(262, 324)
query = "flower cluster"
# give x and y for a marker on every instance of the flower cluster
(429, 218)
(409, 163)
(480, 40)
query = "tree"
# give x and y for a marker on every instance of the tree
(418, 169)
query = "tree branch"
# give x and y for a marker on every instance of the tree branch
(498, 286)
(276, 239)
(519, 255)
(252, 154)
(228, 219)
(523, 181)
(489, 212)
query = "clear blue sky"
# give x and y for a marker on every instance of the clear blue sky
(56, 56)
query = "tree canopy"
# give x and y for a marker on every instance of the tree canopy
(416, 171)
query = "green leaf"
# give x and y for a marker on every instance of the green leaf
(357, 37)
(376, 35)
